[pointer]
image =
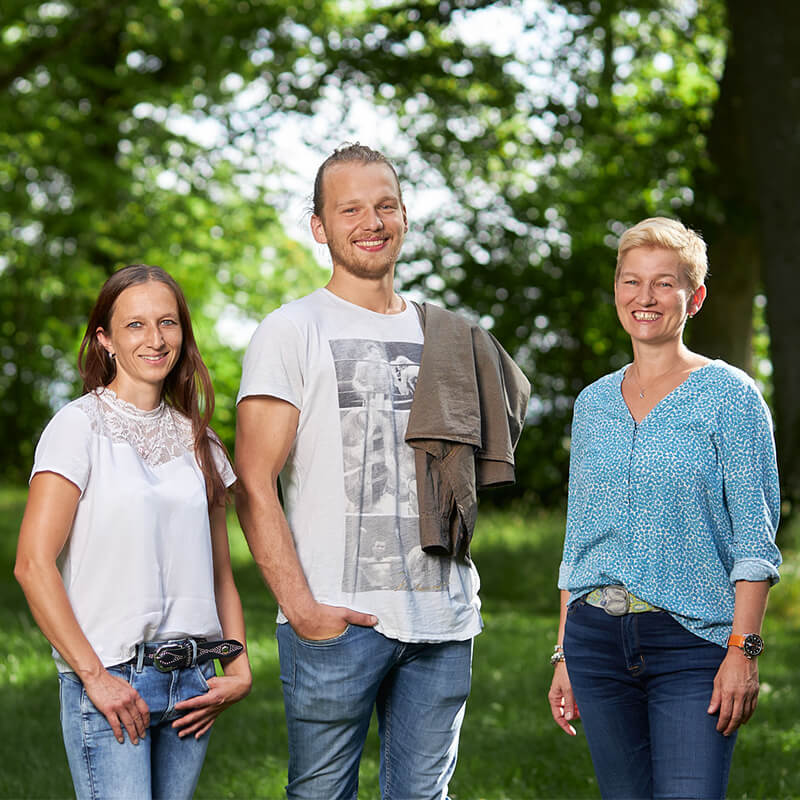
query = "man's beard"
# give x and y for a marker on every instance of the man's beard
(368, 269)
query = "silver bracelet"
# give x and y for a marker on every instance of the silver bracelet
(558, 654)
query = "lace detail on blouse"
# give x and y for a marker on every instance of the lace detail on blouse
(158, 436)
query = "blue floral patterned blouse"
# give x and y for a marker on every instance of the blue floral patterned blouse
(678, 506)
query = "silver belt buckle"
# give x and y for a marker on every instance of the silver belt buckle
(616, 601)
(173, 656)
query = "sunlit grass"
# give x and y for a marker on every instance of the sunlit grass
(510, 748)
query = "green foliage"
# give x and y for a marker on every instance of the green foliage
(607, 128)
(95, 172)
(100, 165)
(145, 131)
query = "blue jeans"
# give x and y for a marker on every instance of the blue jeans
(643, 683)
(161, 765)
(330, 689)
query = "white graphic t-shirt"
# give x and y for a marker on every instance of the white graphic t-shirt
(349, 484)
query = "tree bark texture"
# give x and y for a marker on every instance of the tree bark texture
(766, 38)
(726, 214)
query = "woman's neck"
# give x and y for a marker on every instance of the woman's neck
(652, 361)
(145, 397)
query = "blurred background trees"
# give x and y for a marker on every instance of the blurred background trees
(147, 131)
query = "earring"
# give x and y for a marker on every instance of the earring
(112, 356)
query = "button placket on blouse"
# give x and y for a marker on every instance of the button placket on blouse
(631, 454)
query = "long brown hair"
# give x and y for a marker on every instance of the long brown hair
(188, 386)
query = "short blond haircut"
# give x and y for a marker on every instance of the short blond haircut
(668, 234)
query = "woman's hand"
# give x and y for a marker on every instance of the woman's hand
(562, 703)
(735, 694)
(120, 704)
(223, 691)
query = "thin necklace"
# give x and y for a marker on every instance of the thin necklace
(643, 389)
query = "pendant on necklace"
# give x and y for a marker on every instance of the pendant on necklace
(641, 393)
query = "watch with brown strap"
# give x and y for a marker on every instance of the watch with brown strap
(751, 644)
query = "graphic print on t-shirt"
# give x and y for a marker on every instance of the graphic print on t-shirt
(376, 382)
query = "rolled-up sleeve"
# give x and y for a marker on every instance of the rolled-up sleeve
(751, 487)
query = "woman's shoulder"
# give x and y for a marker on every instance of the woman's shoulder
(178, 417)
(65, 441)
(733, 396)
(728, 380)
(80, 413)
(602, 391)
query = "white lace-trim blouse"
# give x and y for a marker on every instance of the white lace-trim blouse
(137, 565)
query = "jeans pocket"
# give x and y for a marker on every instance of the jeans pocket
(65, 678)
(574, 606)
(323, 642)
(204, 672)
(93, 720)
(123, 671)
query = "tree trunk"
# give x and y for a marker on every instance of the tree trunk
(766, 37)
(726, 213)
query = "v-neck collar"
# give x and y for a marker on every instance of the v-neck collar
(664, 400)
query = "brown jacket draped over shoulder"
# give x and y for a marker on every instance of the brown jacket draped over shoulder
(466, 419)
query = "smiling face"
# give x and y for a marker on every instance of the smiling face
(653, 296)
(146, 337)
(363, 220)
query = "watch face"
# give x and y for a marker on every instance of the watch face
(753, 645)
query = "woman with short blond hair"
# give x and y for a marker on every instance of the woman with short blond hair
(670, 544)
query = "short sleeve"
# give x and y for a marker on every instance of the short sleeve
(65, 447)
(221, 461)
(752, 490)
(273, 362)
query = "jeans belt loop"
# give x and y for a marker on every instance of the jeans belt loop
(194, 652)
(140, 649)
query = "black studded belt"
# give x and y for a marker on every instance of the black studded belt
(183, 653)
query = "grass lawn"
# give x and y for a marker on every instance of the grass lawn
(510, 748)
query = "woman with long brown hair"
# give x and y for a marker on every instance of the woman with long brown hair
(123, 550)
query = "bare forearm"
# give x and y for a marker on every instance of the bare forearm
(266, 429)
(735, 694)
(562, 616)
(272, 546)
(231, 617)
(47, 598)
(234, 629)
(46, 524)
(750, 607)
